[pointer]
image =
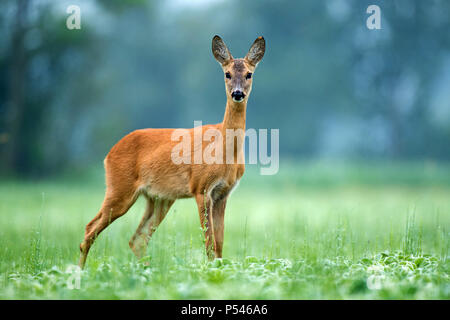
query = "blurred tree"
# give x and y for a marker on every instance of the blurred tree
(15, 149)
(42, 59)
(399, 66)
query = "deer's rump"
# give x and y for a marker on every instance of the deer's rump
(141, 161)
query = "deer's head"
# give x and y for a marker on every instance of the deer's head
(238, 72)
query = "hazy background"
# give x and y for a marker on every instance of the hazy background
(335, 89)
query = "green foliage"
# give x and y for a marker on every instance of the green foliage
(282, 241)
(399, 276)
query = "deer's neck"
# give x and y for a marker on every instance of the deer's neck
(234, 117)
(234, 124)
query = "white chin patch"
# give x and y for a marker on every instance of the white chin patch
(235, 100)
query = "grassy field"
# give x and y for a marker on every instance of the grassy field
(310, 232)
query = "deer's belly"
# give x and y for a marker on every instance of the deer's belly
(167, 187)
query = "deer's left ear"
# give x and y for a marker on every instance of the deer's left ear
(256, 52)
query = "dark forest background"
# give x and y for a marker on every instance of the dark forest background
(334, 88)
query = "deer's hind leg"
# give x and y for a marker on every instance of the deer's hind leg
(114, 205)
(154, 214)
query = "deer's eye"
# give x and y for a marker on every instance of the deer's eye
(248, 76)
(228, 75)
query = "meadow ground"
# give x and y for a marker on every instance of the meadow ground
(314, 231)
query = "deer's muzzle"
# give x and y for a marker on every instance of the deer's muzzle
(238, 96)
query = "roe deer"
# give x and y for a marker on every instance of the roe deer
(141, 164)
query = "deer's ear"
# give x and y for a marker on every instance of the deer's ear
(256, 52)
(220, 51)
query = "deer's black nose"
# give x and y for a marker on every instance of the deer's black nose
(238, 95)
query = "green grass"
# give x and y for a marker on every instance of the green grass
(310, 232)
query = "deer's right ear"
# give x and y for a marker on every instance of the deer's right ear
(220, 51)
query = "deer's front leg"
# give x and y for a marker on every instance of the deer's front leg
(218, 216)
(204, 210)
